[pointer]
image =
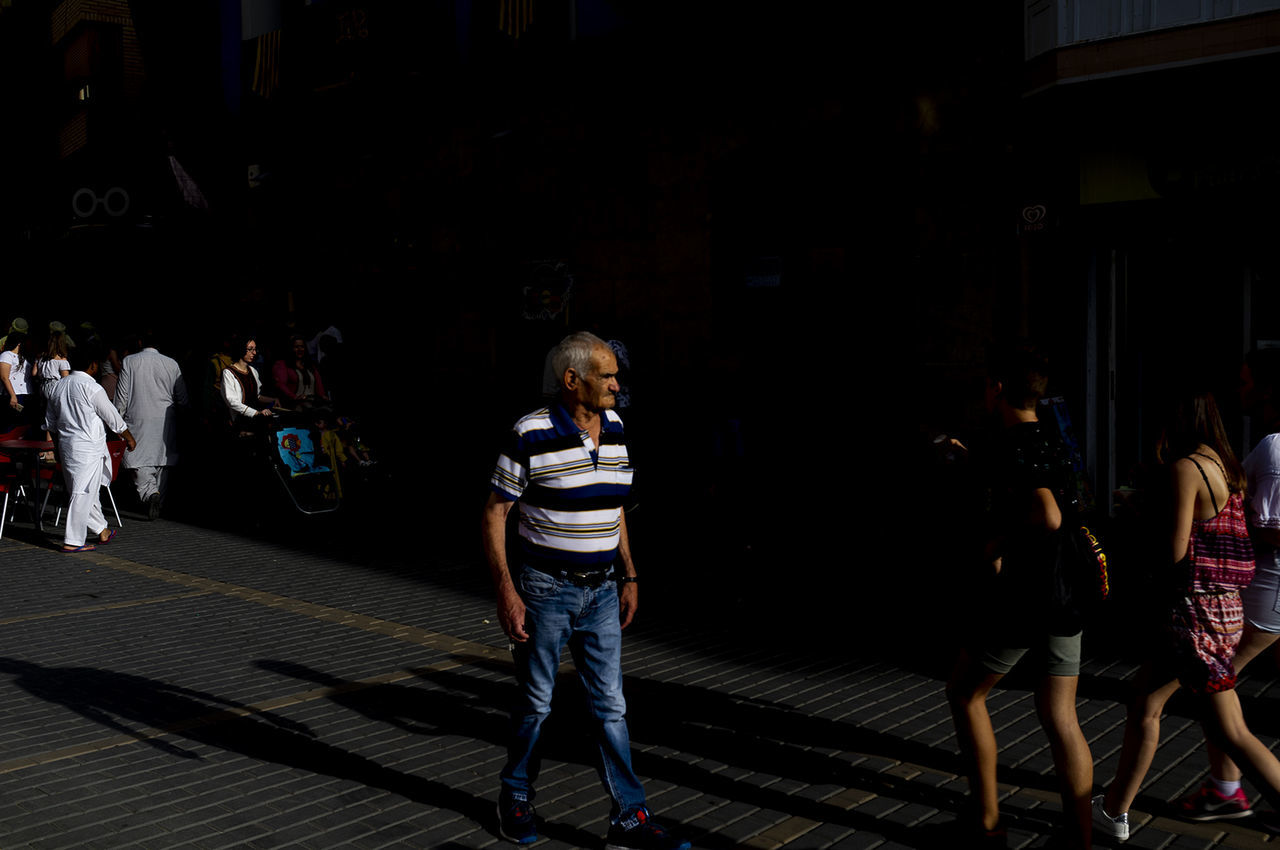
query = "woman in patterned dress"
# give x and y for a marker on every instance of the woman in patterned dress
(1220, 796)
(1212, 560)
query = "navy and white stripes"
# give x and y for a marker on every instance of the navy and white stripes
(570, 490)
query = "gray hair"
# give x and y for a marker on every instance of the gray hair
(574, 352)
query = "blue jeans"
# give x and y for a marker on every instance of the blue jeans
(585, 618)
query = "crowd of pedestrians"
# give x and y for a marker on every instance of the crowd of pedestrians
(1212, 587)
(203, 407)
(1211, 532)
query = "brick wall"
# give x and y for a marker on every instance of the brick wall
(72, 13)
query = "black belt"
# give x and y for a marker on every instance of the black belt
(593, 578)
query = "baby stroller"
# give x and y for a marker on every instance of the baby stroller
(301, 467)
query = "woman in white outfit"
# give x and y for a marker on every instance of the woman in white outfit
(13, 376)
(52, 365)
(48, 370)
(242, 388)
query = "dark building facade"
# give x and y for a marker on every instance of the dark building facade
(1147, 169)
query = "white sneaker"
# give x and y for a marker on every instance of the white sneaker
(1114, 827)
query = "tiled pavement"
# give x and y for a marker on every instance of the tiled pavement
(189, 687)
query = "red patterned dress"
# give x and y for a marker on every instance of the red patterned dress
(1207, 621)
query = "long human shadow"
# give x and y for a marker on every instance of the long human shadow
(456, 705)
(122, 702)
(681, 721)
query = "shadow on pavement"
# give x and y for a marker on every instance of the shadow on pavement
(124, 702)
(754, 736)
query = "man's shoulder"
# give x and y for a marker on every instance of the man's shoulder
(168, 363)
(1034, 436)
(77, 383)
(87, 384)
(1032, 454)
(538, 420)
(149, 354)
(60, 387)
(1265, 456)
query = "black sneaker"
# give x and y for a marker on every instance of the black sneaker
(515, 819)
(636, 830)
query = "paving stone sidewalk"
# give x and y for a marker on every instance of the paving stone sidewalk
(189, 687)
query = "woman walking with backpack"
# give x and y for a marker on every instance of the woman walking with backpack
(1022, 536)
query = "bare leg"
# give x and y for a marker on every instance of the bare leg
(1251, 646)
(1224, 724)
(1141, 737)
(967, 693)
(1056, 707)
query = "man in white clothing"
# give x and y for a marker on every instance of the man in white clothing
(78, 416)
(148, 396)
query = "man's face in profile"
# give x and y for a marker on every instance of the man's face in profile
(596, 391)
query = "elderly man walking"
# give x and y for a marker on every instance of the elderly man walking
(77, 417)
(567, 466)
(148, 395)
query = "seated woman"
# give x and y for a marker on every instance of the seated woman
(242, 389)
(298, 379)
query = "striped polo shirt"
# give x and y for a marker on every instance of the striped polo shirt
(570, 490)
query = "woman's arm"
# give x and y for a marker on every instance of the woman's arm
(1186, 485)
(1045, 512)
